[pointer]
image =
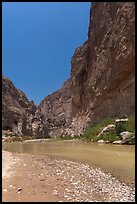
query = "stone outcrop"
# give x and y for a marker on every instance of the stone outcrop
(119, 142)
(126, 135)
(109, 128)
(19, 115)
(101, 142)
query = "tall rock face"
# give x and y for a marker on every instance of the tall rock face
(102, 82)
(19, 115)
(56, 110)
(103, 69)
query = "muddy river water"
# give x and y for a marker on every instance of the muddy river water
(119, 160)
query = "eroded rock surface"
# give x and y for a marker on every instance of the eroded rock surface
(102, 72)
(56, 110)
(19, 115)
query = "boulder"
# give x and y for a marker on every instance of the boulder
(119, 142)
(126, 135)
(108, 128)
(101, 141)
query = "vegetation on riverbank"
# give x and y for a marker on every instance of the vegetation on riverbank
(91, 133)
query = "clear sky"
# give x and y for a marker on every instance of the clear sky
(38, 41)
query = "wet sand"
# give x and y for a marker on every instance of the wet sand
(40, 178)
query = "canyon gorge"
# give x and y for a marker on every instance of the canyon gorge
(101, 84)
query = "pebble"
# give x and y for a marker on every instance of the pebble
(42, 179)
(82, 181)
(55, 192)
(86, 180)
(19, 189)
(5, 190)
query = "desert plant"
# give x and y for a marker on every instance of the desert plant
(120, 126)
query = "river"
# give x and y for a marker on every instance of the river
(119, 160)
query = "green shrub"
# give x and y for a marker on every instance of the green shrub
(111, 137)
(126, 126)
(121, 126)
(91, 133)
(131, 124)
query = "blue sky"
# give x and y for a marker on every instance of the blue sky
(38, 41)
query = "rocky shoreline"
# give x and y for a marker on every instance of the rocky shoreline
(44, 178)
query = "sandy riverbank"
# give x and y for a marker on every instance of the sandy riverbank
(43, 178)
(7, 161)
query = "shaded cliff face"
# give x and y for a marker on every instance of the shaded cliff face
(19, 115)
(102, 82)
(56, 110)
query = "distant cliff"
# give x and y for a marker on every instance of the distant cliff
(102, 81)
(19, 115)
(56, 110)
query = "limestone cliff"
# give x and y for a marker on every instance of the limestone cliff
(103, 69)
(56, 110)
(19, 115)
(102, 82)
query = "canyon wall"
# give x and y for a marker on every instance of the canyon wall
(19, 115)
(57, 110)
(102, 82)
(103, 69)
(101, 85)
